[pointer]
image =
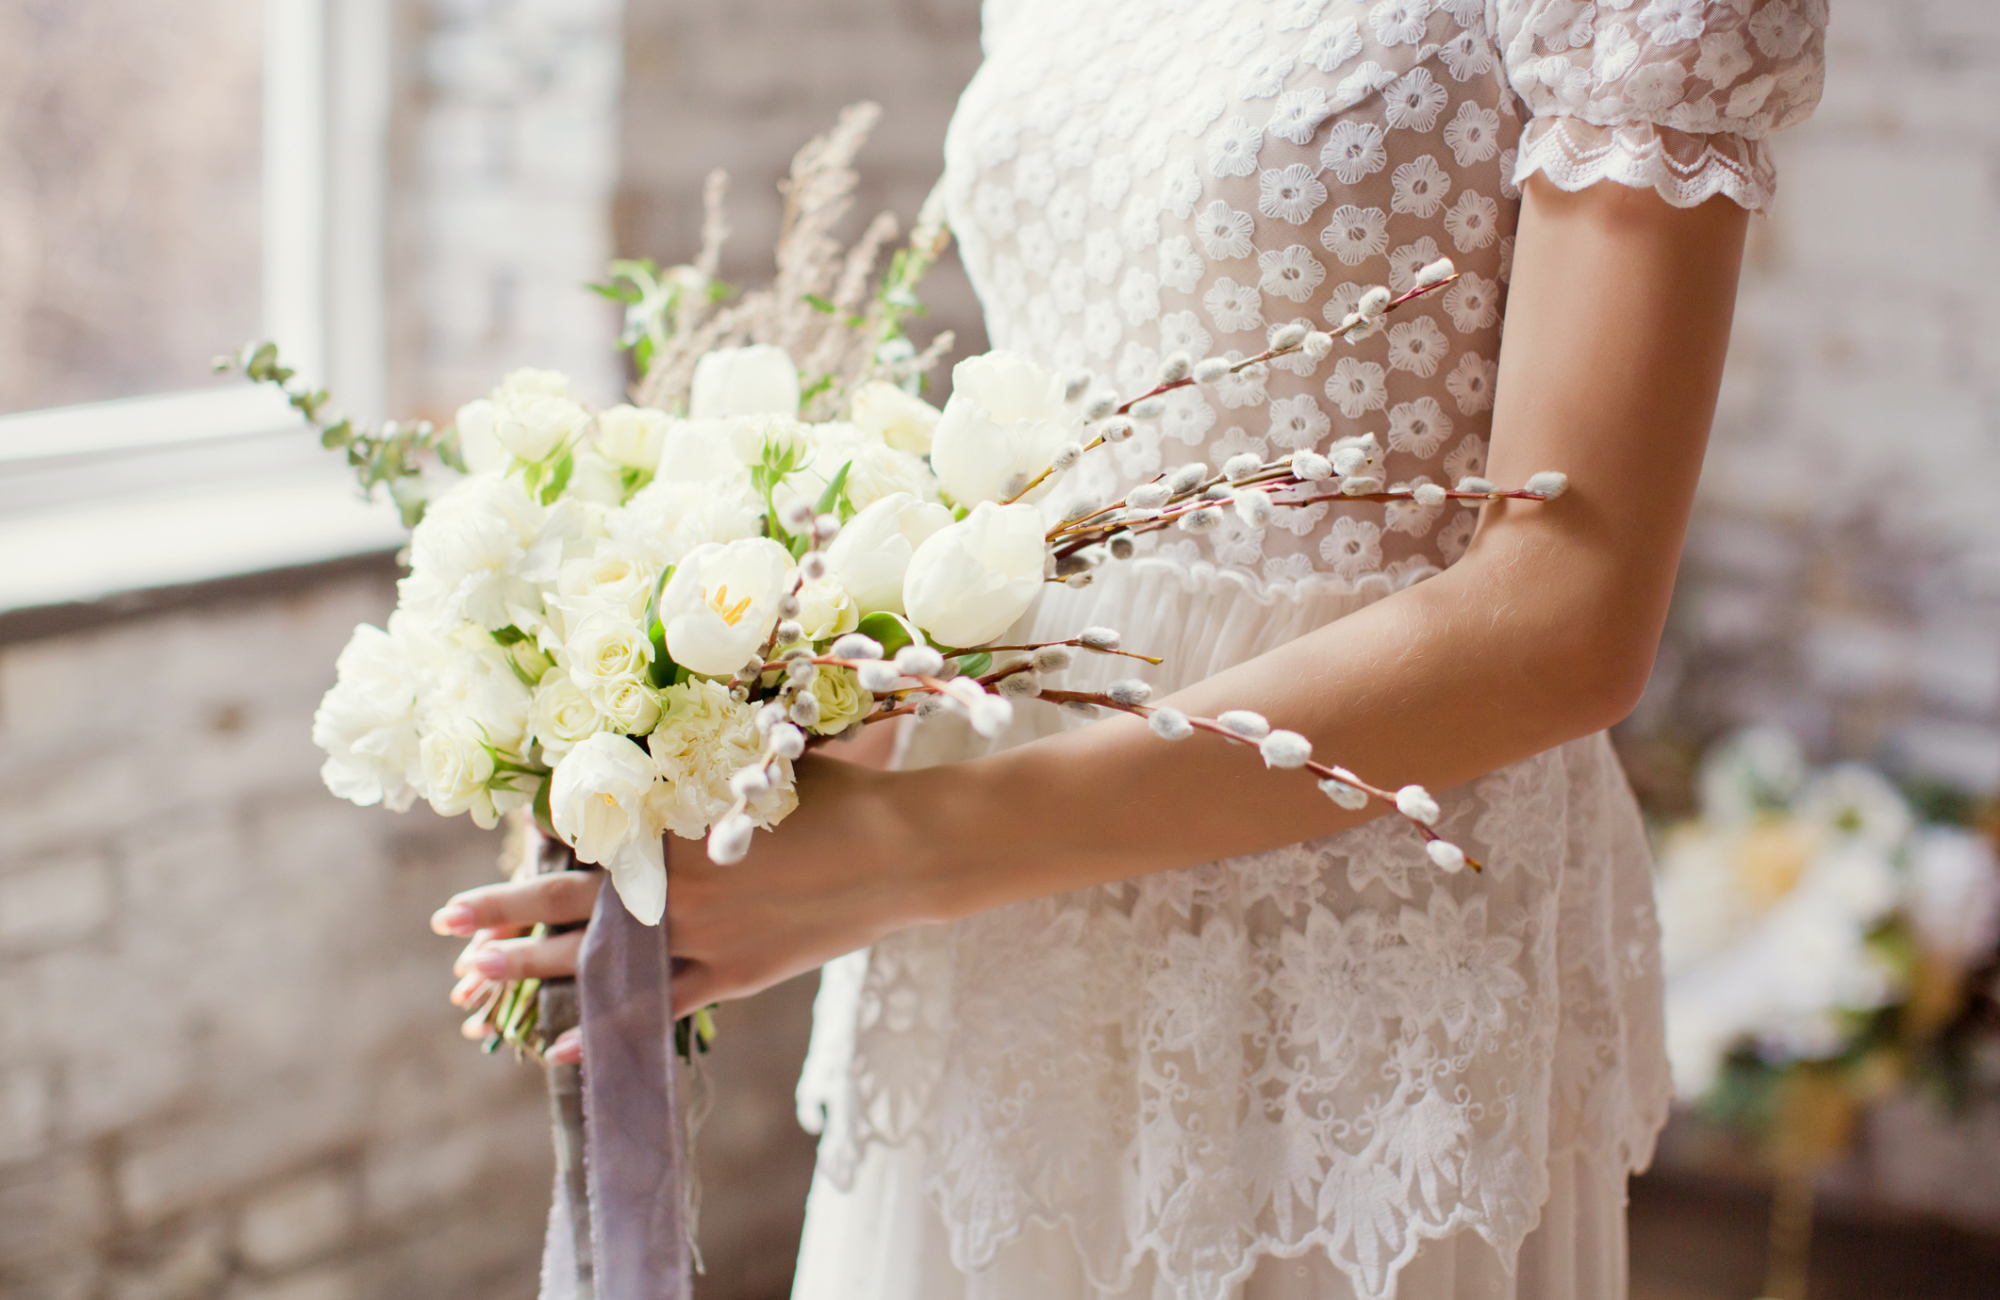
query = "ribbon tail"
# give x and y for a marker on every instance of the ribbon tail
(635, 1164)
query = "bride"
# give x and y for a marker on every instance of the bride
(1104, 1017)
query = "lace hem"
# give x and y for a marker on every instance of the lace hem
(1682, 168)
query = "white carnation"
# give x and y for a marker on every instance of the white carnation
(367, 723)
(702, 739)
(480, 553)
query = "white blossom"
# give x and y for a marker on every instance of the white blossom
(969, 581)
(1098, 638)
(1020, 686)
(1211, 370)
(729, 839)
(1149, 496)
(1051, 658)
(1548, 484)
(919, 661)
(1006, 416)
(1351, 797)
(755, 380)
(1169, 723)
(1240, 467)
(1129, 690)
(1472, 483)
(1285, 749)
(1435, 273)
(721, 603)
(786, 741)
(1287, 336)
(1311, 467)
(1317, 345)
(990, 715)
(599, 803)
(1253, 507)
(1446, 855)
(1415, 802)
(878, 677)
(1428, 494)
(1249, 725)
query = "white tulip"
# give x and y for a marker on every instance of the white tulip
(903, 420)
(872, 552)
(632, 435)
(598, 803)
(756, 380)
(1003, 424)
(874, 470)
(970, 581)
(722, 603)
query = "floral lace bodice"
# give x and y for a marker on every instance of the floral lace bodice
(1329, 1057)
(1131, 178)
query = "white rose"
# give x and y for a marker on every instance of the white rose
(704, 738)
(367, 723)
(477, 446)
(826, 610)
(874, 471)
(632, 705)
(616, 573)
(1002, 426)
(841, 699)
(968, 582)
(480, 552)
(605, 648)
(458, 765)
(872, 552)
(529, 382)
(722, 602)
(534, 425)
(632, 435)
(903, 420)
(598, 803)
(756, 380)
(562, 715)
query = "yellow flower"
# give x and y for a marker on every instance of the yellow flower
(841, 699)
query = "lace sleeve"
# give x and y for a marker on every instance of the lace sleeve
(1674, 95)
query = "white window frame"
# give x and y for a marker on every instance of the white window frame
(326, 106)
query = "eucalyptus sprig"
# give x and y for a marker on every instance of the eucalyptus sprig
(391, 455)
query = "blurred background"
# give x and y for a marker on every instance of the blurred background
(226, 1064)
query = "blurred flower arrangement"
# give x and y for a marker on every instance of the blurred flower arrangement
(1826, 941)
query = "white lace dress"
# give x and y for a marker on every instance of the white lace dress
(1327, 1071)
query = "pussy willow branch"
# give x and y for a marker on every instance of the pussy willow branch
(1269, 354)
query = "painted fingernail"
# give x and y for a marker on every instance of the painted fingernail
(490, 962)
(568, 1048)
(454, 918)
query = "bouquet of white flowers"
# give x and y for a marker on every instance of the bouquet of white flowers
(633, 621)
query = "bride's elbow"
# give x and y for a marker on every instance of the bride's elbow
(1594, 671)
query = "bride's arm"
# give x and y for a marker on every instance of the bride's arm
(1617, 322)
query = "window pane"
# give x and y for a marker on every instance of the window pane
(129, 174)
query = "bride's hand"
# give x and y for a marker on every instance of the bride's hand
(497, 919)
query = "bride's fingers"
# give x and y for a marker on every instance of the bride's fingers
(523, 959)
(556, 899)
(568, 1048)
(468, 990)
(463, 965)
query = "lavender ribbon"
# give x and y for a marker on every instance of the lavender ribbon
(633, 1157)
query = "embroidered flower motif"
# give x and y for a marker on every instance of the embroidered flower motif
(1411, 258)
(1565, 24)
(1102, 255)
(1034, 178)
(1414, 101)
(1296, 15)
(1473, 221)
(1673, 22)
(1232, 148)
(1074, 144)
(1416, 345)
(1233, 307)
(1331, 44)
(1418, 427)
(1780, 30)
(1139, 296)
(1180, 265)
(1466, 972)
(1655, 87)
(1357, 387)
(1361, 83)
(1068, 214)
(1399, 22)
(1409, 516)
(1180, 331)
(1472, 302)
(1038, 248)
(993, 209)
(1110, 178)
(1298, 114)
(1466, 460)
(1289, 193)
(1336, 973)
(1470, 384)
(1419, 187)
(1456, 535)
(1181, 187)
(1265, 76)
(1353, 150)
(1101, 329)
(1356, 234)
(1189, 417)
(1291, 272)
(1238, 389)
(1066, 286)
(1467, 54)
(1224, 232)
(1473, 134)
(1723, 58)
(1297, 422)
(1352, 547)
(1139, 226)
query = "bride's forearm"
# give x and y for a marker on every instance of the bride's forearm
(1617, 324)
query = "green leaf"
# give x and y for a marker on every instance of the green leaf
(975, 663)
(835, 490)
(540, 810)
(642, 354)
(820, 304)
(886, 628)
(663, 669)
(626, 292)
(718, 290)
(509, 635)
(819, 386)
(559, 478)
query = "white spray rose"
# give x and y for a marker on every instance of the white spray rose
(1002, 426)
(606, 647)
(480, 552)
(841, 699)
(367, 723)
(562, 715)
(874, 471)
(902, 420)
(477, 446)
(599, 804)
(616, 574)
(458, 771)
(826, 610)
(722, 602)
(968, 582)
(756, 380)
(632, 705)
(476, 682)
(703, 738)
(534, 415)
(632, 436)
(872, 552)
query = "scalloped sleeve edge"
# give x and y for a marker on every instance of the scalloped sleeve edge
(1681, 167)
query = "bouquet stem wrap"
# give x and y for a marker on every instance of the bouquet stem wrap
(634, 1163)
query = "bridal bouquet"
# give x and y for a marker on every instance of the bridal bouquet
(634, 620)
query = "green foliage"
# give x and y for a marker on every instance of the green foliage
(886, 629)
(390, 457)
(656, 302)
(974, 663)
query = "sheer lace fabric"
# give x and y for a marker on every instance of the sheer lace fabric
(1327, 1070)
